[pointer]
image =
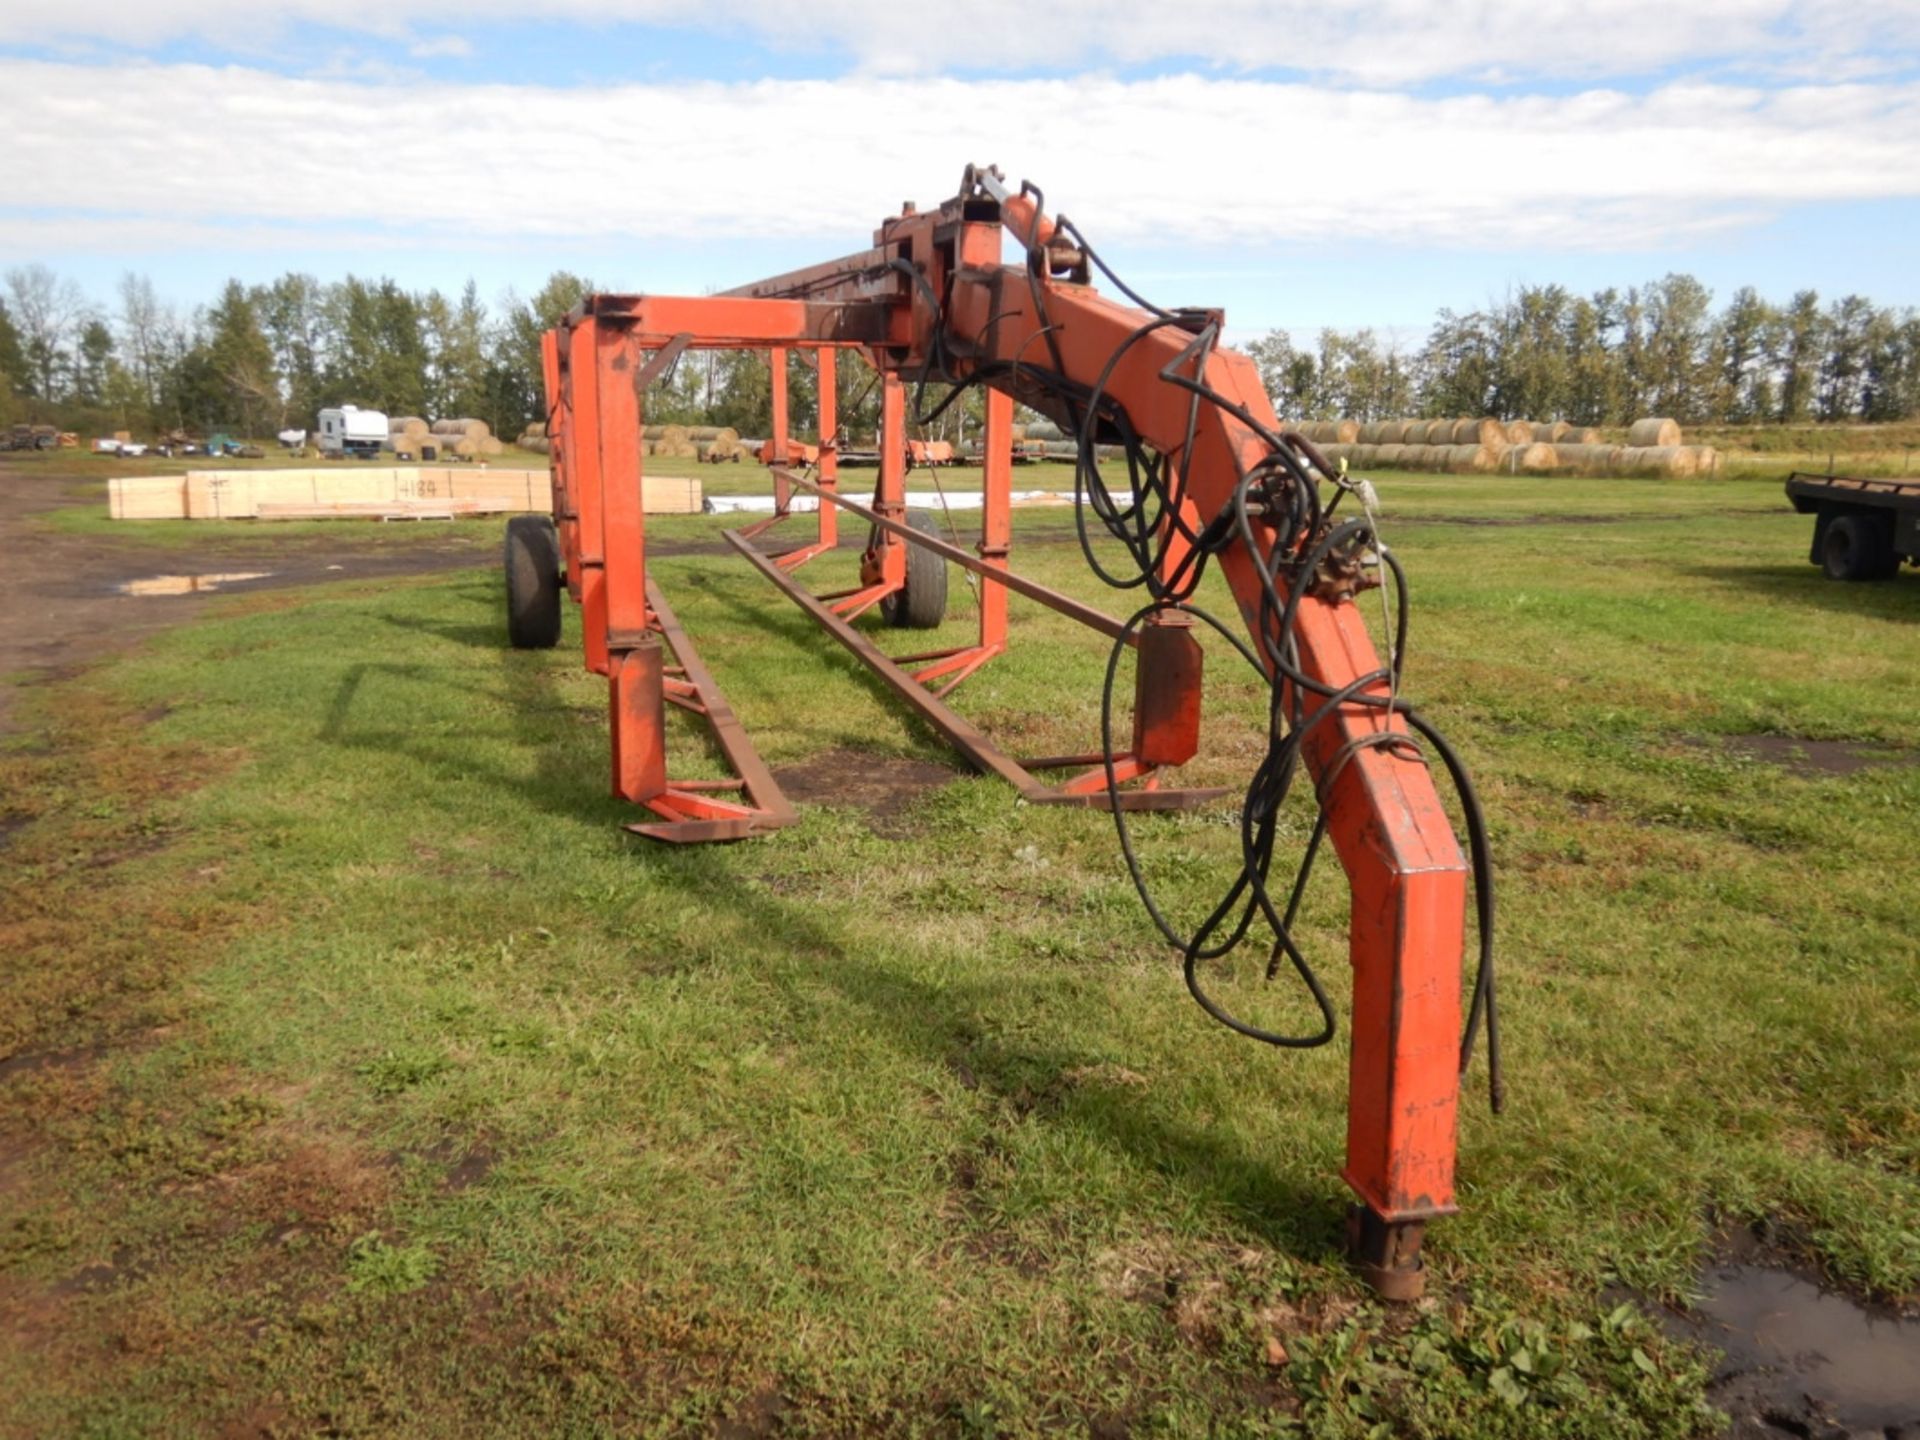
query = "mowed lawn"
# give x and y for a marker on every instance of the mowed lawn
(368, 1079)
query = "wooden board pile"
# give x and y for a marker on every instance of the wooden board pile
(1517, 447)
(362, 492)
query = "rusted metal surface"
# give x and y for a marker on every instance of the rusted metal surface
(1387, 1254)
(1166, 693)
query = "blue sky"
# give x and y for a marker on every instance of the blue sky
(1360, 163)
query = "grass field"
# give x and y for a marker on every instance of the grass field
(369, 1080)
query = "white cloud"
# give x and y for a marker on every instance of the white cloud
(435, 46)
(1211, 165)
(1372, 41)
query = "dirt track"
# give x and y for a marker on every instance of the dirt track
(60, 599)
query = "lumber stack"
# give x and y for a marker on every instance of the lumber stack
(361, 491)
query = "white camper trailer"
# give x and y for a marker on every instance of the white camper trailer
(350, 430)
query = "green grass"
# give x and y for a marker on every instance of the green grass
(400, 1091)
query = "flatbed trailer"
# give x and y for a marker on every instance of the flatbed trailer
(1862, 528)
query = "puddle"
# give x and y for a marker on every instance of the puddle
(1804, 1360)
(188, 584)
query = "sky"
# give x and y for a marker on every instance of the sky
(1302, 163)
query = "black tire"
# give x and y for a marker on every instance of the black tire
(533, 583)
(922, 604)
(1858, 546)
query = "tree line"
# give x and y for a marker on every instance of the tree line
(1546, 353)
(262, 358)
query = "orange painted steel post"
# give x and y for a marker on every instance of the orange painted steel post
(583, 386)
(777, 373)
(777, 363)
(892, 498)
(636, 695)
(829, 517)
(566, 515)
(996, 515)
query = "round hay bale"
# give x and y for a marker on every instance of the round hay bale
(1364, 455)
(1439, 432)
(1579, 435)
(1653, 434)
(1549, 432)
(409, 425)
(1588, 459)
(489, 445)
(1656, 460)
(1519, 432)
(1390, 432)
(1531, 459)
(1458, 459)
(1706, 459)
(675, 435)
(535, 427)
(1417, 457)
(448, 427)
(465, 446)
(1390, 455)
(1345, 432)
(538, 443)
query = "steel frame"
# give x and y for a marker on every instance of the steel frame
(932, 293)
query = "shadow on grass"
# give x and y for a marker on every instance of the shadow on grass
(938, 1026)
(1894, 599)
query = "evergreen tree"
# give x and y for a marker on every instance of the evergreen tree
(245, 391)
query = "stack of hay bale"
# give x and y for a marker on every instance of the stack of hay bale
(711, 443)
(468, 438)
(410, 435)
(534, 437)
(1519, 447)
(667, 440)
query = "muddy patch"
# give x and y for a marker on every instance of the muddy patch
(1814, 758)
(1799, 1357)
(885, 786)
(50, 1060)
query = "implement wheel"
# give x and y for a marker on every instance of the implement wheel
(1858, 546)
(922, 604)
(533, 583)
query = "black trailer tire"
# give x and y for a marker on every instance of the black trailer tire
(1858, 546)
(922, 604)
(533, 583)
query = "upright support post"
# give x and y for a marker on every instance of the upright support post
(637, 702)
(583, 386)
(891, 501)
(777, 359)
(996, 516)
(829, 518)
(566, 513)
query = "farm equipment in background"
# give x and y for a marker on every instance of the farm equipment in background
(1862, 528)
(1212, 478)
